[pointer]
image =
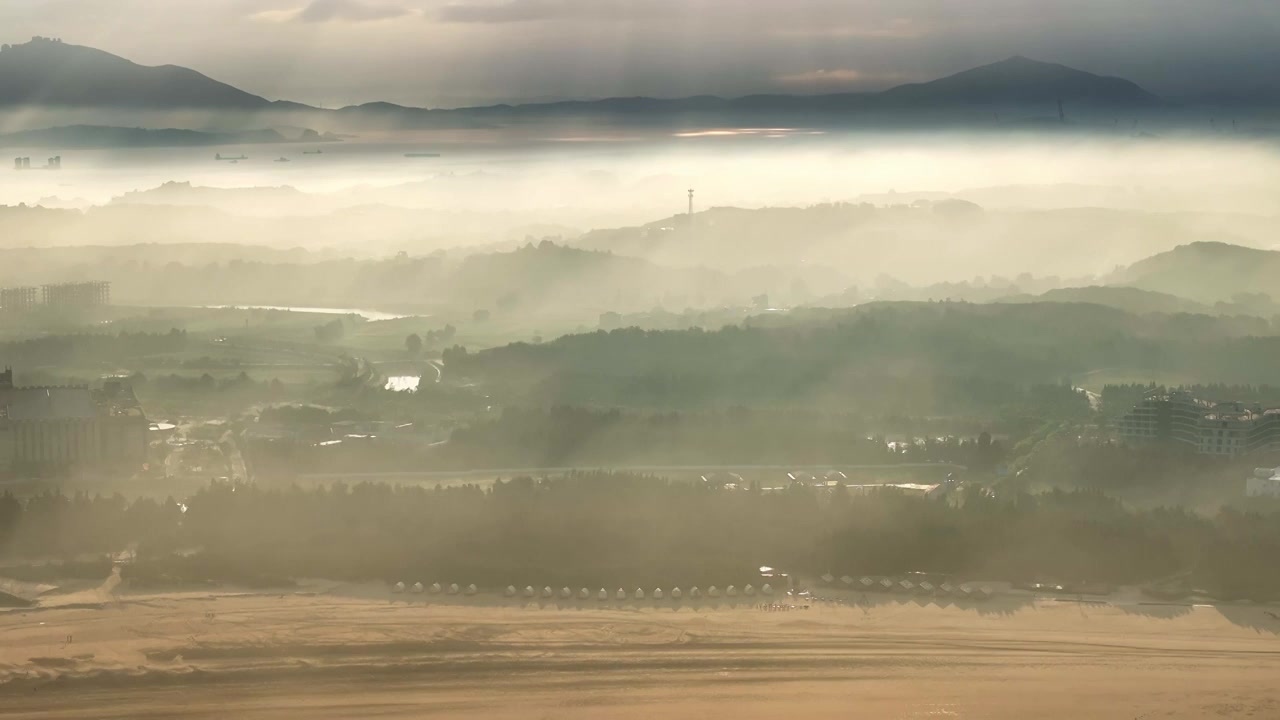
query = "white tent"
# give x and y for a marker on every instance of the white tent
(767, 589)
(731, 591)
(866, 582)
(584, 594)
(639, 594)
(565, 593)
(471, 589)
(436, 589)
(847, 580)
(887, 584)
(828, 578)
(749, 590)
(946, 588)
(603, 596)
(621, 594)
(528, 591)
(713, 591)
(676, 594)
(694, 592)
(453, 588)
(546, 591)
(397, 588)
(510, 591)
(657, 594)
(417, 588)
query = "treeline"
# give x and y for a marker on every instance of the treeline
(1151, 474)
(566, 436)
(915, 359)
(173, 394)
(570, 436)
(611, 530)
(1119, 399)
(70, 349)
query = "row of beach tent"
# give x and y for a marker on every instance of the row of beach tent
(911, 585)
(603, 595)
(565, 593)
(434, 589)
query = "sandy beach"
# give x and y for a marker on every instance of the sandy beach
(339, 651)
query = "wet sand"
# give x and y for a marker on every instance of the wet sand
(351, 651)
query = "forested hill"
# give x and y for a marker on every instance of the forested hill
(909, 358)
(1206, 272)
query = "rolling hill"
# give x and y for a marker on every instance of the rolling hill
(1207, 272)
(1020, 80)
(50, 73)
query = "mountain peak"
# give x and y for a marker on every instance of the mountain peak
(47, 71)
(1022, 80)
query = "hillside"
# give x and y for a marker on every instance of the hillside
(1017, 81)
(912, 359)
(922, 243)
(50, 72)
(1129, 299)
(531, 281)
(1207, 272)
(45, 72)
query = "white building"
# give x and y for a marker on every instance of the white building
(1264, 483)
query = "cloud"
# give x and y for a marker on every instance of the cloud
(822, 77)
(837, 79)
(351, 11)
(517, 11)
(895, 28)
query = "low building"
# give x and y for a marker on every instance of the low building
(1265, 482)
(1229, 429)
(54, 428)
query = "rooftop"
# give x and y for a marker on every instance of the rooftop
(48, 403)
(67, 402)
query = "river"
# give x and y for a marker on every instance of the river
(370, 315)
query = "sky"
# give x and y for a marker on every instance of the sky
(449, 53)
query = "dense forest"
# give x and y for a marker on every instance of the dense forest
(915, 359)
(568, 436)
(565, 436)
(89, 348)
(598, 529)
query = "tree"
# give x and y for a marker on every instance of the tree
(331, 331)
(413, 344)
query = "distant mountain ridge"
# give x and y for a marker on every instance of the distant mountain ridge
(47, 72)
(1022, 80)
(95, 136)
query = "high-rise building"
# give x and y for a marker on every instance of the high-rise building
(50, 428)
(83, 294)
(1229, 429)
(16, 299)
